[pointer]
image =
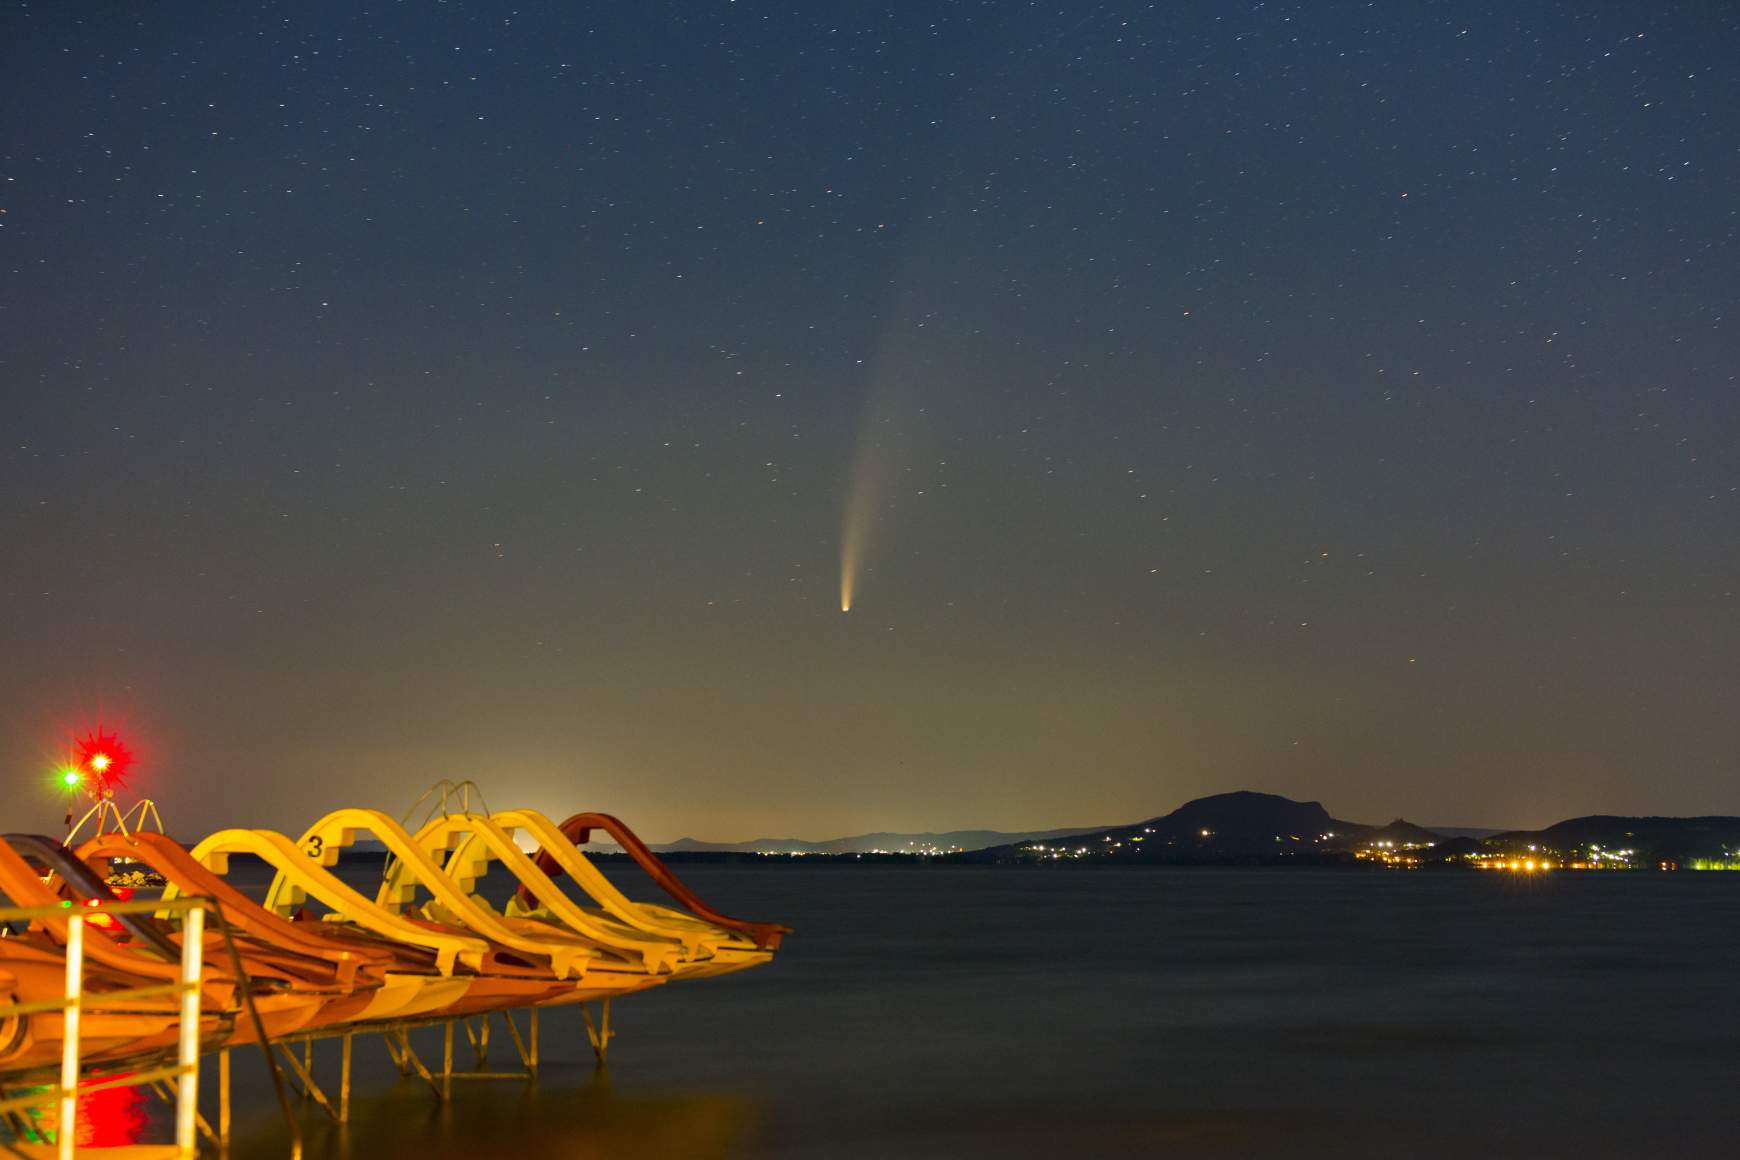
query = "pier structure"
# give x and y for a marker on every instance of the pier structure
(175, 1077)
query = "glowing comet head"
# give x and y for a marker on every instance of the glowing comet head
(851, 546)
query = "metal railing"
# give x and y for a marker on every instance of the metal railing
(185, 1070)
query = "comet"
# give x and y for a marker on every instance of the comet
(909, 371)
(867, 494)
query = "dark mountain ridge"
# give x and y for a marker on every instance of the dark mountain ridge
(1654, 838)
(1240, 826)
(1249, 827)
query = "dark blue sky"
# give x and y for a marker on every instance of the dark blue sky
(1331, 399)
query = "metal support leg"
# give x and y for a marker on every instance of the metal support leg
(224, 1098)
(519, 1044)
(167, 1092)
(309, 1087)
(398, 1057)
(447, 1060)
(414, 1064)
(344, 1079)
(599, 1034)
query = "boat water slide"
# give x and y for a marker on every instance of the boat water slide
(476, 841)
(726, 950)
(166, 857)
(578, 828)
(498, 975)
(290, 990)
(587, 971)
(299, 878)
(484, 976)
(457, 958)
(387, 979)
(413, 869)
(85, 882)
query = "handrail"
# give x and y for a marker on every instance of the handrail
(22, 884)
(578, 829)
(185, 1071)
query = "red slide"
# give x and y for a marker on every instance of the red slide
(578, 829)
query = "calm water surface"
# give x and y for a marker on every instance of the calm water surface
(943, 1011)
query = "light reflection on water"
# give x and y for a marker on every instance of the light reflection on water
(584, 1117)
(103, 1119)
(942, 1011)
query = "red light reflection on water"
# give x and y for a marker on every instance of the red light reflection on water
(106, 1118)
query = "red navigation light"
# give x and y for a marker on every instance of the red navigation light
(104, 757)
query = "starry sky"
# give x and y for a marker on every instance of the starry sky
(1334, 399)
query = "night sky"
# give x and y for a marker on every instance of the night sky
(1332, 399)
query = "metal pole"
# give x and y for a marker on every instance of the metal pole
(69, 1052)
(224, 1097)
(187, 1100)
(344, 1079)
(447, 1059)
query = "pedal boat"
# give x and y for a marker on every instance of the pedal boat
(385, 981)
(33, 968)
(467, 844)
(592, 971)
(289, 991)
(472, 974)
(440, 968)
(735, 944)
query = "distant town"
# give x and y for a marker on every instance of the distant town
(1245, 828)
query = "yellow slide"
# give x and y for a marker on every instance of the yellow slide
(300, 877)
(403, 992)
(568, 954)
(475, 841)
(727, 950)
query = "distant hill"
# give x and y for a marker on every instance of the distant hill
(949, 841)
(1402, 832)
(1240, 826)
(1261, 828)
(1653, 838)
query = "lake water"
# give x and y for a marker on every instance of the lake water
(946, 1011)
